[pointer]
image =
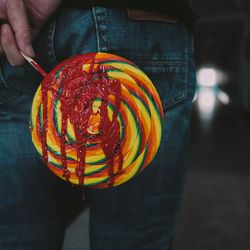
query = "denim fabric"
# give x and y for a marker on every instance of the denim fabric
(138, 215)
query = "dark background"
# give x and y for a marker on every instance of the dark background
(222, 38)
(216, 208)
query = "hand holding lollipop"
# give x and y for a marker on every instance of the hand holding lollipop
(21, 22)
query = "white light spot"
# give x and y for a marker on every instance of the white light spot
(223, 97)
(206, 102)
(207, 77)
(195, 97)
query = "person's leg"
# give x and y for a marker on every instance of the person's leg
(142, 213)
(34, 204)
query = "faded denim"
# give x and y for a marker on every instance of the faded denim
(141, 214)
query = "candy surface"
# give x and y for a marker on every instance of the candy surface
(96, 120)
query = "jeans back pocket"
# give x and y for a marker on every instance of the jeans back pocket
(160, 49)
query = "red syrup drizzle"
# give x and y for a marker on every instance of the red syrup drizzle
(45, 122)
(77, 92)
(38, 68)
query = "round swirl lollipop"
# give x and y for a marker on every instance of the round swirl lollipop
(96, 120)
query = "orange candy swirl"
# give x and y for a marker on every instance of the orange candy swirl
(96, 120)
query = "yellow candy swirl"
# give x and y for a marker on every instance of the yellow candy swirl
(96, 120)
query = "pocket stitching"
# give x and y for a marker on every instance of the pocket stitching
(13, 93)
(170, 100)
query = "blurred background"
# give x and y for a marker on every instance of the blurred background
(216, 209)
(215, 212)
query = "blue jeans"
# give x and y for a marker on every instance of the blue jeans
(141, 214)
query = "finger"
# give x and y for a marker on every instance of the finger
(18, 20)
(9, 46)
(1, 51)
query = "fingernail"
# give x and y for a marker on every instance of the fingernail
(29, 51)
(12, 63)
(15, 62)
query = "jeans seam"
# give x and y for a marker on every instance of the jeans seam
(97, 30)
(189, 51)
(187, 60)
(101, 28)
(9, 97)
(51, 49)
(13, 93)
(2, 77)
(180, 98)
